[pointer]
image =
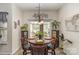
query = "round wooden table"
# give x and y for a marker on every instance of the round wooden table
(39, 49)
(34, 41)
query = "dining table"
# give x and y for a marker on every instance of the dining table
(40, 48)
(45, 41)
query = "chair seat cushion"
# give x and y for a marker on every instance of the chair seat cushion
(50, 45)
(27, 46)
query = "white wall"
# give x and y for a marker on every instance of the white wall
(68, 10)
(16, 15)
(7, 49)
(29, 15)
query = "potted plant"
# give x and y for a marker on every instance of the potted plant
(55, 24)
(24, 27)
(39, 34)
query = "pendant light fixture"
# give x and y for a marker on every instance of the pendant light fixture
(39, 15)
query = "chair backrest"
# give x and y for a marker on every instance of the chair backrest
(39, 49)
(23, 39)
(23, 42)
(54, 42)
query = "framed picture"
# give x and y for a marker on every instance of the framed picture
(69, 25)
(19, 22)
(15, 25)
(73, 23)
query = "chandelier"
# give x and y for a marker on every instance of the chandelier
(40, 16)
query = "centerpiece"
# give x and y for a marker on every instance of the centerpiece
(39, 41)
(39, 34)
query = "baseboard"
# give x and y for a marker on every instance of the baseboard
(15, 52)
(5, 53)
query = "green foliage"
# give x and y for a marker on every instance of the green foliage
(55, 24)
(24, 27)
(39, 33)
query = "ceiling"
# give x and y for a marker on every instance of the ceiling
(44, 6)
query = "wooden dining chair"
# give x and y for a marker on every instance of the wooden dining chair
(52, 45)
(39, 49)
(25, 45)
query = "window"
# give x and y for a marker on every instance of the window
(34, 27)
(3, 31)
(3, 27)
(47, 29)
